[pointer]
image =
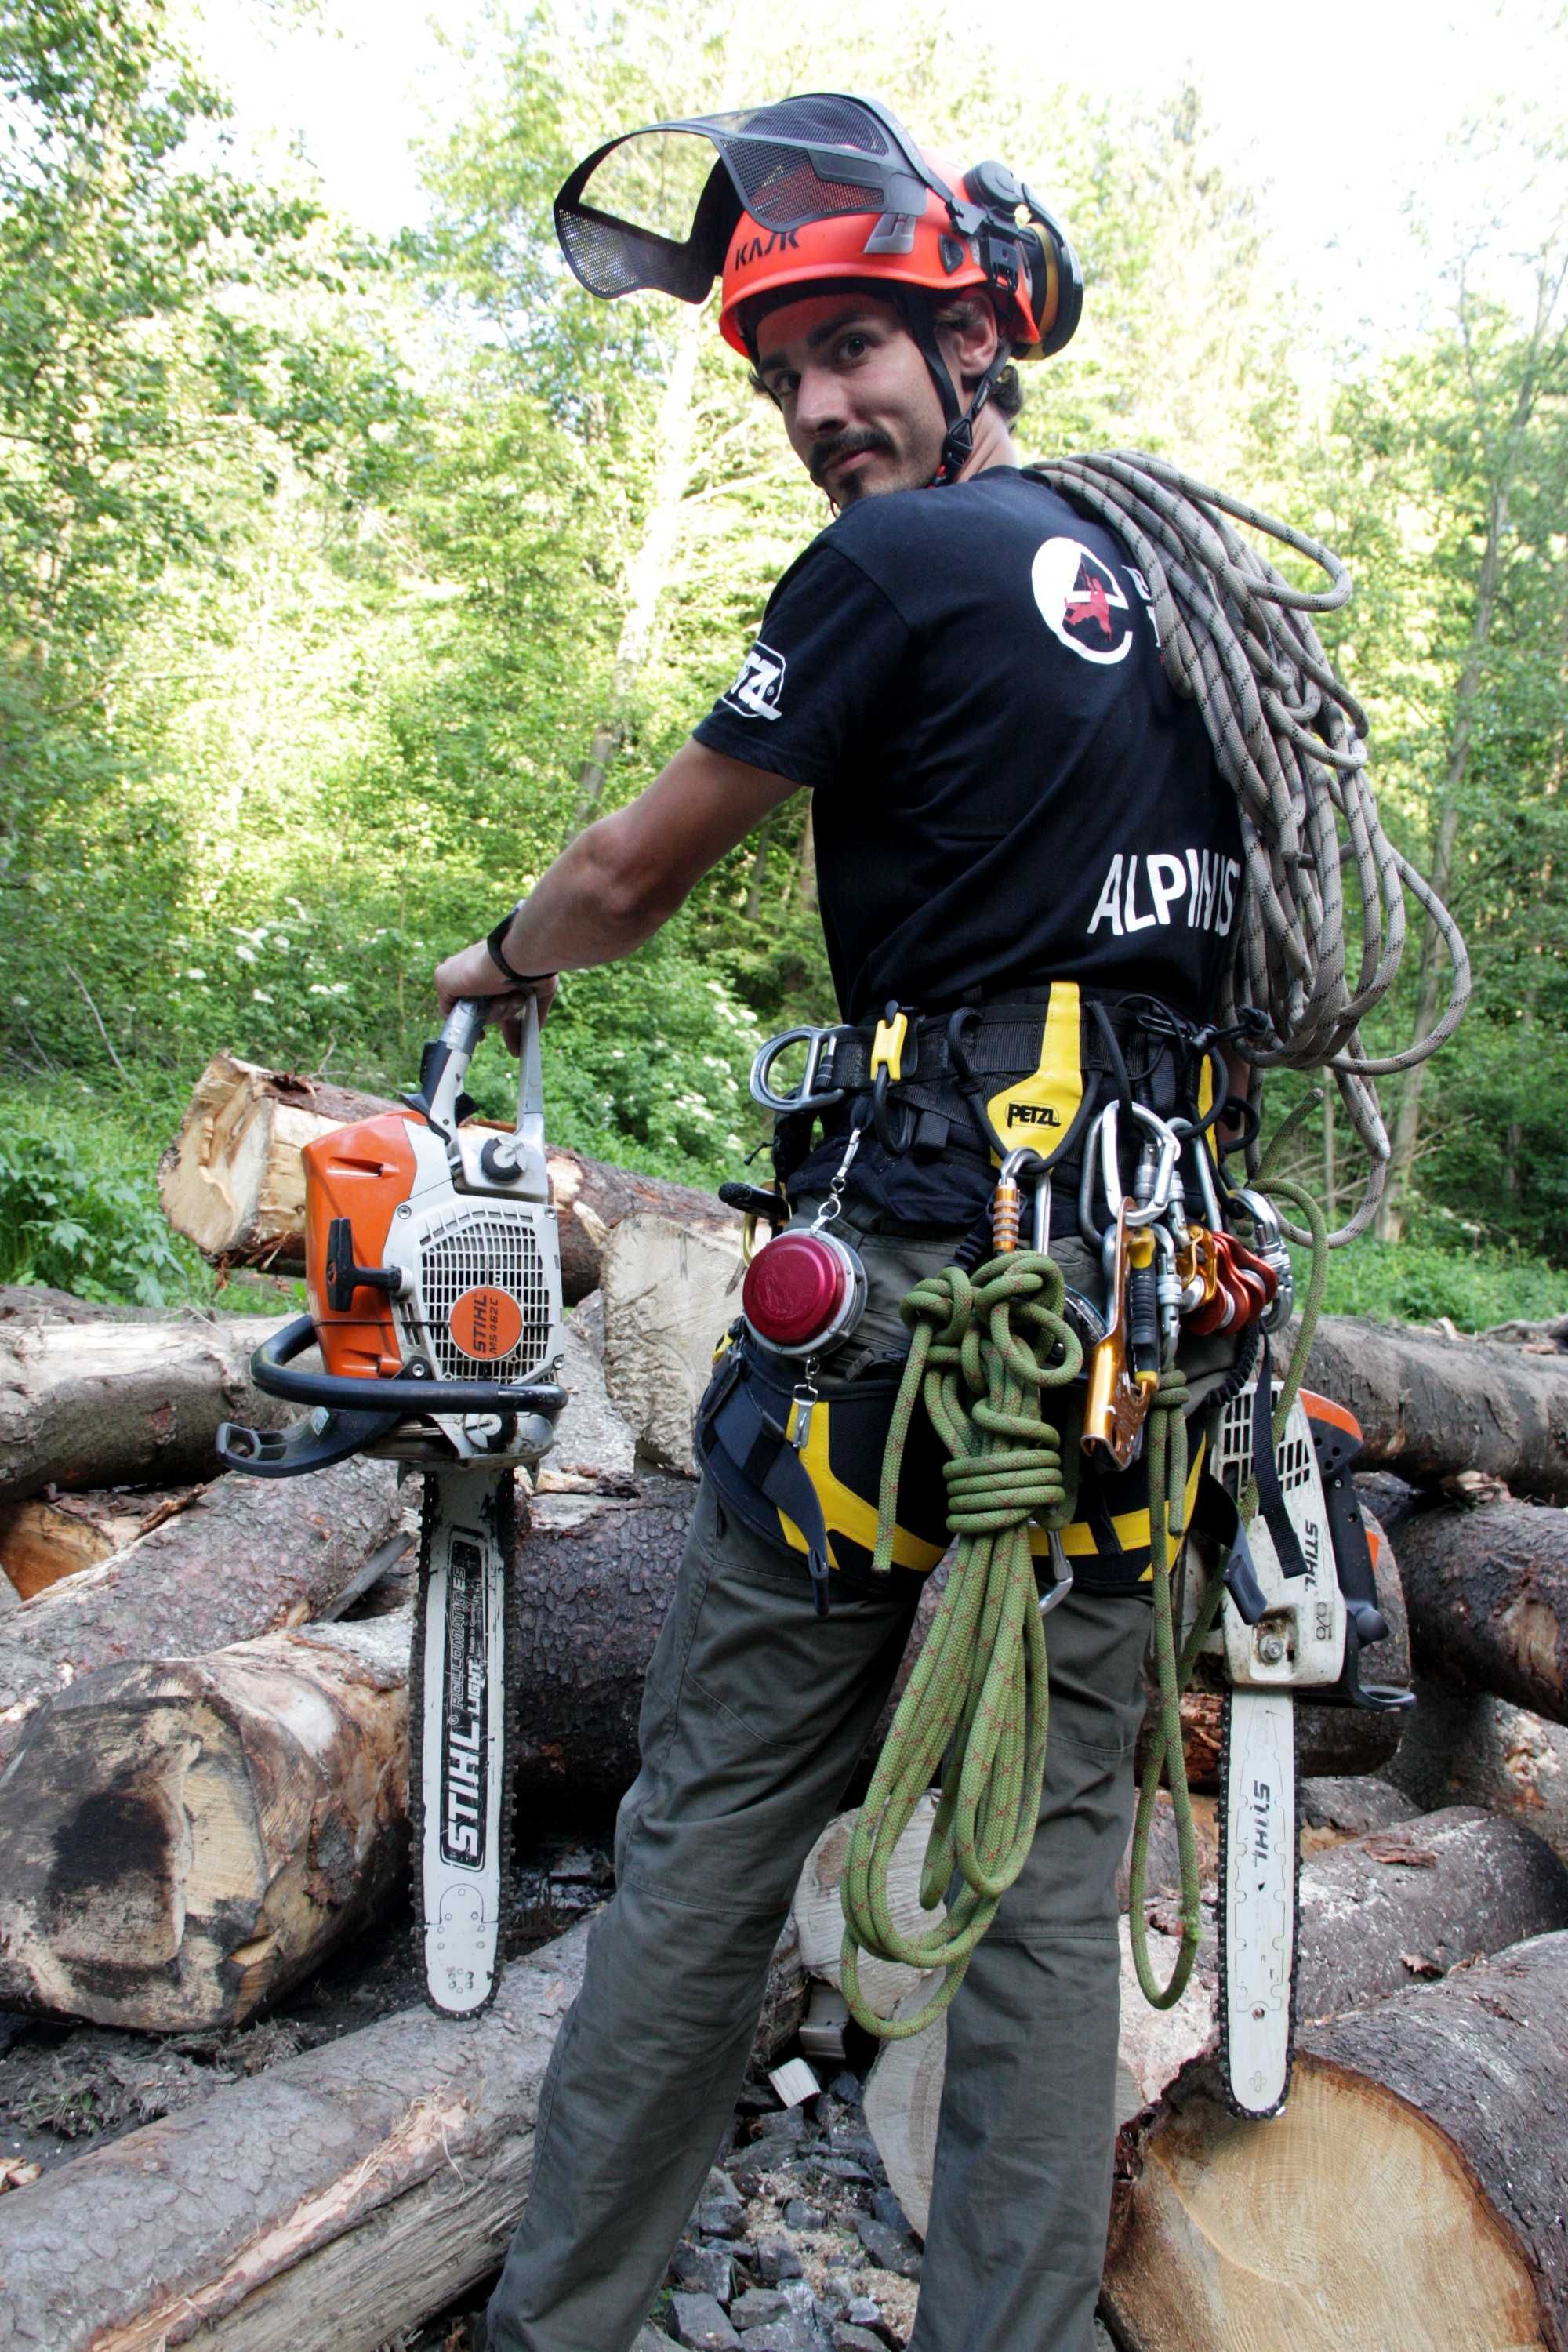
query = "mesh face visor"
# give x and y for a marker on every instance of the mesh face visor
(652, 210)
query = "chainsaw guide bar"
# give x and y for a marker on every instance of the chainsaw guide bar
(462, 1698)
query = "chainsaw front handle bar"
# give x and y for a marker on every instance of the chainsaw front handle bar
(404, 1394)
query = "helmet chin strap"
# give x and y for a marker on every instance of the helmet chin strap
(958, 441)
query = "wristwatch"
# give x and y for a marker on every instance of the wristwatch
(498, 954)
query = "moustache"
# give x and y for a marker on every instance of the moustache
(826, 454)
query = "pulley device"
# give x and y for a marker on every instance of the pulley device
(433, 1268)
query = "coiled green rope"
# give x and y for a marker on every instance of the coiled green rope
(984, 1350)
(978, 1693)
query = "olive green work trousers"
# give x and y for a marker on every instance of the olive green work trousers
(754, 1715)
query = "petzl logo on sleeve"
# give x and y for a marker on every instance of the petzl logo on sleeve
(755, 693)
(1081, 602)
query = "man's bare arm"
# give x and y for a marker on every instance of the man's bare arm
(612, 888)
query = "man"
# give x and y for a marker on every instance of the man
(1010, 805)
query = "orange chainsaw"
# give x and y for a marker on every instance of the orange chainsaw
(433, 1263)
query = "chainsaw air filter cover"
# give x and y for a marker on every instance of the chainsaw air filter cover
(804, 1292)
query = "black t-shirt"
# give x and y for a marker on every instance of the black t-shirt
(1007, 787)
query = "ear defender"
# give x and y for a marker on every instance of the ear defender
(1019, 225)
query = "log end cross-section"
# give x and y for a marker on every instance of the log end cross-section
(1410, 2196)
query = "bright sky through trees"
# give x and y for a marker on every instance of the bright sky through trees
(1337, 116)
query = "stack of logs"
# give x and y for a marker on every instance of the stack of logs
(204, 1787)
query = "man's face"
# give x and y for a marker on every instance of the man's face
(856, 398)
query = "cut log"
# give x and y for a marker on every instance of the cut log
(35, 1302)
(1375, 1915)
(371, 2180)
(231, 1181)
(592, 1441)
(181, 1842)
(1333, 1809)
(1411, 2195)
(596, 1575)
(42, 1543)
(1414, 1901)
(246, 1556)
(106, 1403)
(1465, 1748)
(670, 1292)
(1429, 1406)
(819, 1908)
(1488, 1594)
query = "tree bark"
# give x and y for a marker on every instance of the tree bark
(1429, 1406)
(1487, 1591)
(246, 1556)
(181, 1842)
(107, 1403)
(596, 1575)
(1463, 1747)
(371, 2180)
(1416, 1900)
(232, 1182)
(1410, 2196)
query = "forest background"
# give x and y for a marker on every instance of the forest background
(347, 570)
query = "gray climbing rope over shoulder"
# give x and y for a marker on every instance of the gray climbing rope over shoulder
(1289, 739)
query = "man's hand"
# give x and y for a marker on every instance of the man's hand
(473, 971)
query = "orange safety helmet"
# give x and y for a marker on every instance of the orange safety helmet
(925, 255)
(812, 189)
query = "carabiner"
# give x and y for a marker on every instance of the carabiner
(1144, 1212)
(808, 1096)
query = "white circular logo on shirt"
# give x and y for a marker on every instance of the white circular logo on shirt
(1081, 602)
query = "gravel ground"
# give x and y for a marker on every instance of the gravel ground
(797, 2244)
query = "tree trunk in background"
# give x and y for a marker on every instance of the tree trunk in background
(763, 837)
(805, 868)
(649, 567)
(248, 1556)
(1504, 463)
(112, 1403)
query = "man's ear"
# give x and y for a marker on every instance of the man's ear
(970, 339)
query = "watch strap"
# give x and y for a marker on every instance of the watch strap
(496, 950)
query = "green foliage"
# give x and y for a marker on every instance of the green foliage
(324, 571)
(75, 1217)
(1417, 1281)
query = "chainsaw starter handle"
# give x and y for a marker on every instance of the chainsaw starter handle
(403, 1394)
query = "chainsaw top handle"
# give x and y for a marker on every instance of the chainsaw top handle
(404, 1394)
(444, 1065)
